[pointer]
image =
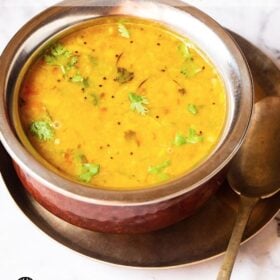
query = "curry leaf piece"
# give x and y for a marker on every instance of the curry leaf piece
(89, 170)
(158, 169)
(124, 76)
(123, 31)
(180, 140)
(193, 137)
(190, 69)
(42, 130)
(137, 103)
(192, 109)
(184, 50)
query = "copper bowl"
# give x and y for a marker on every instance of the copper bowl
(125, 211)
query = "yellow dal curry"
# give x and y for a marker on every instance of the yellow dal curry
(123, 104)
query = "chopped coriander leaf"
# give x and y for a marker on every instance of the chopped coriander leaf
(58, 50)
(158, 169)
(89, 170)
(123, 31)
(190, 69)
(138, 103)
(180, 140)
(51, 60)
(77, 78)
(193, 137)
(124, 76)
(59, 56)
(73, 61)
(42, 130)
(192, 109)
(184, 50)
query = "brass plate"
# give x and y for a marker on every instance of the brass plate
(200, 237)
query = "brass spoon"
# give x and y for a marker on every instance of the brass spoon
(255, 171)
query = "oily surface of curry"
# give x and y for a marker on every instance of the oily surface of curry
(123, 104)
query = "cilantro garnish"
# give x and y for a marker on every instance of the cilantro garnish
(184, 50)
(89, 170)
(56, 52)
(138, 102)
(73, 61)
(123, 31)
(42, 130)
(78, 78)
(192, 109)
(59, 50)
(58, 55)
(180, 140)
(159, 168)
(190, 69)
(124, 76)
(193, 137)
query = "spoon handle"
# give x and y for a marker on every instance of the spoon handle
(245, 208)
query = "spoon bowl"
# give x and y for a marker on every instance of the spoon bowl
(255, 171)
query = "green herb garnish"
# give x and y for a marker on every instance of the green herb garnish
(55, 52)
(89, 170)
(180, 140)
(123, 31)
(192, 109)
(184, 50)
(73, 61)
(124, 76)
(42, 130)
(193, 137)
(78, 78)
(190, 69)
(59, 50)
(58, 55)
(158, 169)
(138, 102)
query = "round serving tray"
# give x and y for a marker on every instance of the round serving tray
(200, 237)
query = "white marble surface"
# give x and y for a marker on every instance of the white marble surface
(26, 251)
